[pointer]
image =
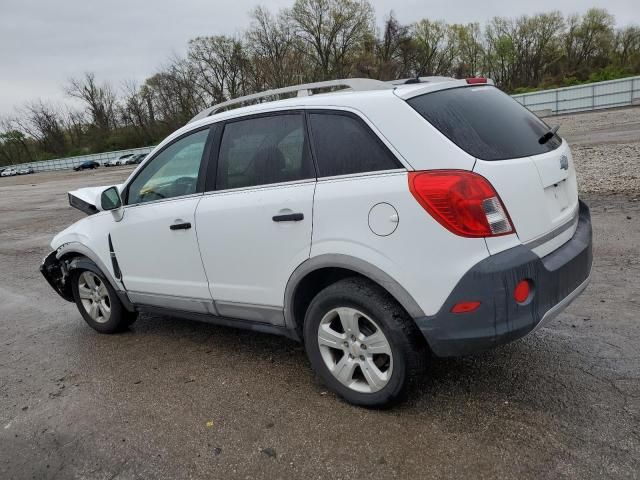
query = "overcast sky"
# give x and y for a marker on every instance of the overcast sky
(45, 42)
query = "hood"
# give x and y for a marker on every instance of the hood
(87, 199)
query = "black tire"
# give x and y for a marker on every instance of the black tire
(119, 319)
(408, 347)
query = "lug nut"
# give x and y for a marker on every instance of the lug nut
(353, 338)
(363, 346)
(351, 356)
(346, 344)
(362, 358)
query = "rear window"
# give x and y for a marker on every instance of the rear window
(485, 122)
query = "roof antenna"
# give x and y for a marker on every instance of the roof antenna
(413, 80)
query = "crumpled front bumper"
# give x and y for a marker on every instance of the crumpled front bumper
(56, 273)
(557, 279)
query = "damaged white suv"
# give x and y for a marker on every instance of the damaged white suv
(376, 224)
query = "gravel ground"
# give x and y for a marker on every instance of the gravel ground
(606, 148)
(177, 399)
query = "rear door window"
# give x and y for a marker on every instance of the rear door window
(485, 122)
(344, 145)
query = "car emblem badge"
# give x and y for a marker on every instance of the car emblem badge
(564, 163)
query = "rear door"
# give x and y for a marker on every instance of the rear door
(254, 227)
(535, 180)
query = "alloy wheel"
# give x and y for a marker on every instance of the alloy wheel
(355, 350)
(94, 296)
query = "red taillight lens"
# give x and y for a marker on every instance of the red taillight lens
(476, 80)
(463, 202)
(522, 291)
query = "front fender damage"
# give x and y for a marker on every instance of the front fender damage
(56, 272)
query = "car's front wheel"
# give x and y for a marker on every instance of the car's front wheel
(362, 344)
(98, 302)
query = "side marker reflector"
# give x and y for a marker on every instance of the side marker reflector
(522, 291)
(465, 307)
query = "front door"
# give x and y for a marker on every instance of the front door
(155, 242)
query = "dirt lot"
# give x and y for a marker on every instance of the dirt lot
(177, 399)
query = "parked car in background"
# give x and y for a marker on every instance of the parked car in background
(88, 165)
(9, 172)
(374, 225)
(136, 159)
(121, 160)
(26, 171)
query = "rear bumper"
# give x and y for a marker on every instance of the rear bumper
(558, 278)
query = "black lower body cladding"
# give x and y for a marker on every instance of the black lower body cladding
(556, 279)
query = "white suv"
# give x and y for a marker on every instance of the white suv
(376, 224)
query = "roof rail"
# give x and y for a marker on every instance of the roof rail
(355, 84)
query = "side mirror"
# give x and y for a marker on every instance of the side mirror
(110, 199)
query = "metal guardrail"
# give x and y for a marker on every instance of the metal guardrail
(580, 98)
(592, 96)
(70, 162)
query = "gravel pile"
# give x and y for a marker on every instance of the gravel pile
(606, 149)
(608, 168)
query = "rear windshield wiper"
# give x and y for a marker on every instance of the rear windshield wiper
(549, 135)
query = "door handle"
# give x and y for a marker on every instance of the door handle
(289, 217)
(180, 226)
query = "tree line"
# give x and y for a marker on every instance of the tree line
(318, 40)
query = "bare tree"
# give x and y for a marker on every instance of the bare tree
(470, 49)
(14, 144)
(100, 100)
(436, 48)
(500, 55)
(42, 122)
(395, 51)
(332, 31)
(627, 48)
(173, 95)
(272, 44)
(75, 125)
(222, 66)
(137, 111)
(589, 39)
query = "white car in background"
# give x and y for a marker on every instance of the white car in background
(9, 172)
(374, 225)
(121, 160)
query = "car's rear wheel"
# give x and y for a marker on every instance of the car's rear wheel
(98, 302)
(362, 344)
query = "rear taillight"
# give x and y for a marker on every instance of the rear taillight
(476, 80)
(463, 202)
